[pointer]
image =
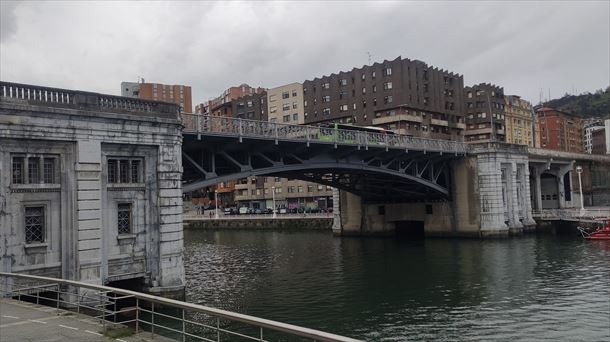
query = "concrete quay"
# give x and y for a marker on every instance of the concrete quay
(23, 321)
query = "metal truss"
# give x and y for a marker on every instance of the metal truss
(375, 173)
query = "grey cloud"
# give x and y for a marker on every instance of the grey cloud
(8, 19)
(523, 46)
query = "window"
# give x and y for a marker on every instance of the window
(387, 71)
(295, 117)
(374, 88)
(343, 82)
(290, 189)
(249, 104)
(310, 188)
(305, 103)
(285, 95)
(294, 105)
(320, 187)
(326, 111)
(387, 99)
(294, 93)
(363, 76)
(273, 109)
(326, 98)
(343, 108)
(34, 224)
(18, 170)
(374, 102)
(286, 106)
(271, 98)
(326, 85)
(363, 90)
(300, 188)
(387, 85)
(124, 170)
(286, 118)
(124, 218)
(373, 74)
(342, 94)
(33, 170)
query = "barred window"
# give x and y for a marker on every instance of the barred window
(112, 171)
(135, 171)
(33, 170)
(34, 224)
(124, 170)
(124, 218)
(49, 170)
(18, 170)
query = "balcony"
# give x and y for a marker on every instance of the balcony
(394, 118)
(438, 122)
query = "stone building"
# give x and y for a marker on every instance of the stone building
(485, 113)
(520, 121)
(364, 95)
(90, 188)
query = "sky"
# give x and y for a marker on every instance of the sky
(526, 47)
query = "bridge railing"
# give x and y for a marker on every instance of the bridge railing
(571, 214)
(220, 125)
(64, 98)
(162, 316)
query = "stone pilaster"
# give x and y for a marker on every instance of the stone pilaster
(528, 220)
(514, 224)
(490, 189)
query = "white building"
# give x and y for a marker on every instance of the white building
(588, 129)
(285, 104)
(90, 188)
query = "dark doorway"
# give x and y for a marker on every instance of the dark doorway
(411, 230)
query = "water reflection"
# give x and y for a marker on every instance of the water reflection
(543, 288)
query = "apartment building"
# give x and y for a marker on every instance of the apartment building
(402, 92)
(485, 113)
(225, 98)
(285, 104)
(253, 107)
(598, 142)
(559, 131)
(520, 121)
(257, 193)
(589, 127)
(174, 93)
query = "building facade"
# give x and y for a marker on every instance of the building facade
(598, 141)
(257, 193)
(485, 113)
(384, 89)
(252, 107)
(285, 104)
(232, 93)
(86, 203)
(589, 127)
(559, 131)
(520, 121)
(178, 94)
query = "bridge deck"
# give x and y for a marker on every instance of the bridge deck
(22, 321)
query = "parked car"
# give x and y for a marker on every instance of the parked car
(268, 211)
(243, 210)
(258, 211)
(283, 210)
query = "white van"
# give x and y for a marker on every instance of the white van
(243, 210)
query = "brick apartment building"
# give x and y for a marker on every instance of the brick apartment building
(224, 100)
(421, 99)
(485, 113)
(252, 107)
(559, 131)
(178, 94)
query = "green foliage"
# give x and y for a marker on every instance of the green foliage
(585, 105)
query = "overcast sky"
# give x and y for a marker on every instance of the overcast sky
(523, 46)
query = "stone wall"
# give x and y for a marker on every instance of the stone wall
(81, 208)
(262, 224)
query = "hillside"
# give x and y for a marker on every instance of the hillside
(586, 105)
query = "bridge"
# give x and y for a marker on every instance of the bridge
(389, 181)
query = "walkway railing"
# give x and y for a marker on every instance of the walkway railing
(171, 318)
(190, 215)
(244, 128)
(571, 214)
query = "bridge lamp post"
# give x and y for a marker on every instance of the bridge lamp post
(582, 200)
(216, 204)
(273, 196)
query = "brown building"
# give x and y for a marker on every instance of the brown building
(559, 131)
(485, 113)
(598, 139)
(227, 96)
(178, 94)
(253, 107)
(400, 86)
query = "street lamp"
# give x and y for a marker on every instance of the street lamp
(273, 196)
(582, 200)
(216, 204)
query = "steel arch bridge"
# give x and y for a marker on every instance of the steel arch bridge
(374, 166)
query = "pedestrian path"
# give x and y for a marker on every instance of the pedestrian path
(22, 321)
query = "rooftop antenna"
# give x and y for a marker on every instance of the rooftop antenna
(369, 56)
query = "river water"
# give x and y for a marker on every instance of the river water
(542, 288)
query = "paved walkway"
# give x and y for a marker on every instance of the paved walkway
(21, 321)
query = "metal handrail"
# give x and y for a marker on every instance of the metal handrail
(260, 323)
(237, 127)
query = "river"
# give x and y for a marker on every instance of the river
(544, 288)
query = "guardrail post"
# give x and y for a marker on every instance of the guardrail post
(152, 319)
(240, 129)
(275, 132)
(137, 315)
(183, 327)
(307, 133)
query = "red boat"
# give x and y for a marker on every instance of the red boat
(602, 233)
